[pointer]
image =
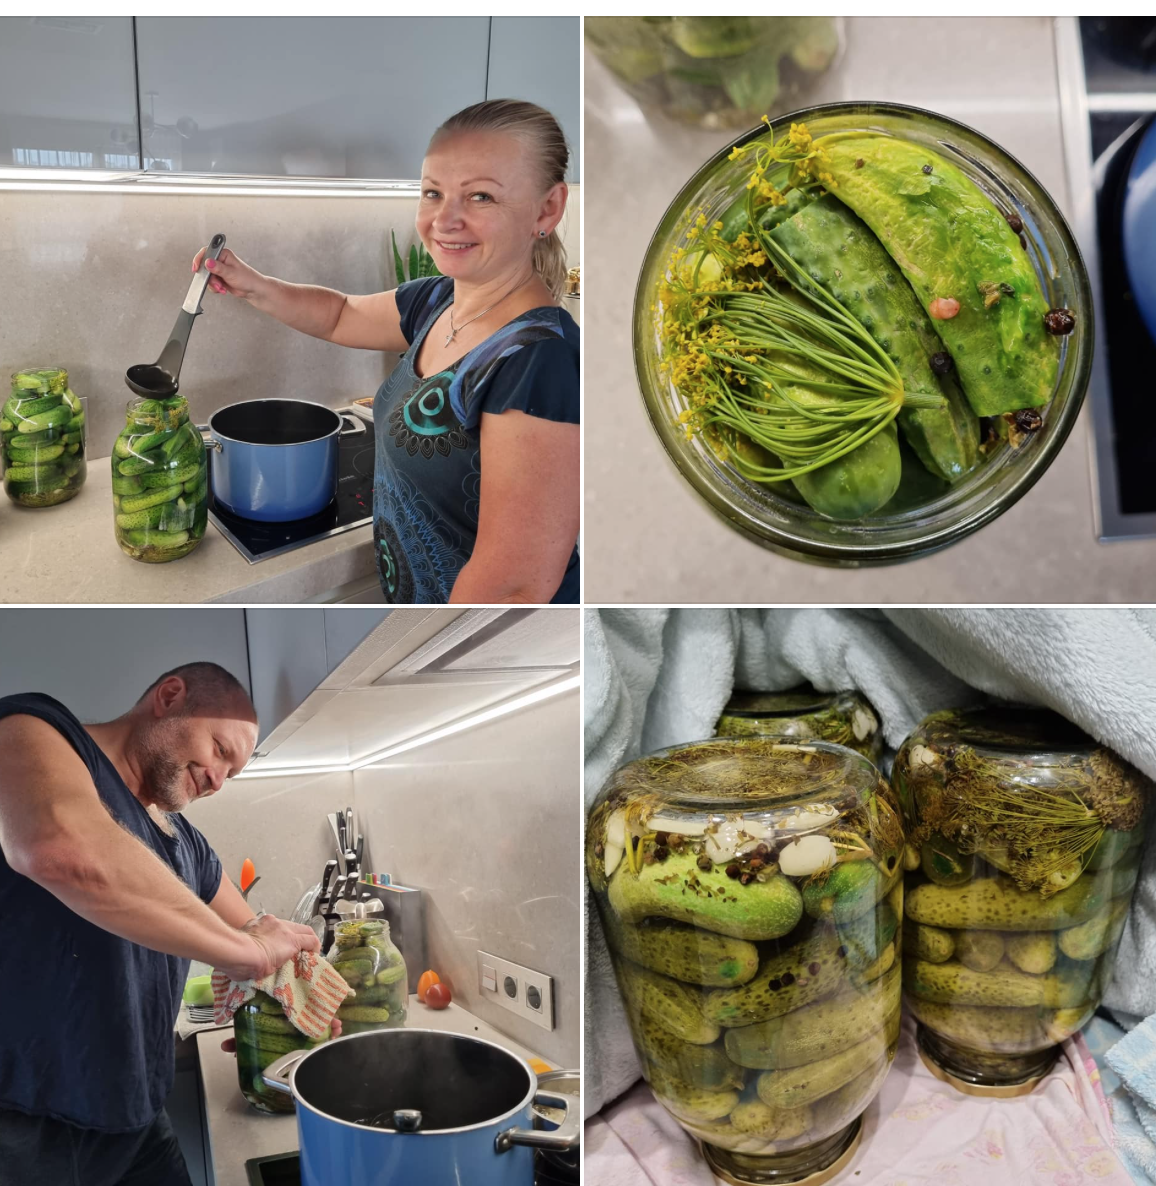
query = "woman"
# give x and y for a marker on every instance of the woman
(477, 467)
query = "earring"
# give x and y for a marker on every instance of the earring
(541, 234)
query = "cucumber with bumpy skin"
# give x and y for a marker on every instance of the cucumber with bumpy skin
(849, 890)
(995, 904)
(929, 943)
(1094, 937)
(1033, 952)
(669, 1003)
(374, 1013)
(772, 1124)
(148, 538)
(707, 1067)
(954, 983)
(676, 888)
(688, 953)
(44, 420)
(979, 950)
(867, 937)
(684, 1099)
(151, 498)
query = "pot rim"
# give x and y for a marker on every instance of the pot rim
(220, 436)
(433, 1132)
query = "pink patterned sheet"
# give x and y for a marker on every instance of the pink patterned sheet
(917, 1131)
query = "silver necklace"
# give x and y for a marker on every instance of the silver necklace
(454, 329)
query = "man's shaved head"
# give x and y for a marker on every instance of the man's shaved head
(207, 686)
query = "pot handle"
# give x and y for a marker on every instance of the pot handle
(562, 1139)
(211, 442)
(276, 1074)
(357, 425)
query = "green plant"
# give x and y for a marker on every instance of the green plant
(420, 262)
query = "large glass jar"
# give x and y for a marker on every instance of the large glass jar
(1023, 846)
(925, 513)
(42, 436)
(803, 714)
(751, 893)
(716, 71)
(372, 966)
(263, 1035)
(160, 481)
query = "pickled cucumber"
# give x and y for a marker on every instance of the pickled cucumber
(1034, 952)
(1000, 1029)
(1098, 934)
(788, 980)
(849, 890)
(49, 419)
(678, 889)
(707, 1067)
(1113, 846)
(668, 1003)
(42, 464)
(979, 950)
(376, 1013)
(817, 1031)
(868, 936)
(772, 1124)
(688, 953)
(929, 943)
(994, 903)
(797, 1086)
(955, 983)
(684, 1099)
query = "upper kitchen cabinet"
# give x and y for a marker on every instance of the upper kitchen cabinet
(537, 58)
(305, 96)
(66, 92)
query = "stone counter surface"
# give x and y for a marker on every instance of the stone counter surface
(239, 1133)
(997, 74)
(69, 553)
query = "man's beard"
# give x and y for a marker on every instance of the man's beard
(164, 777)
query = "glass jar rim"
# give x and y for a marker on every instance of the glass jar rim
(796, 531)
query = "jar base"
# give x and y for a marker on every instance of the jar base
(811, 1165)
(972, 1072)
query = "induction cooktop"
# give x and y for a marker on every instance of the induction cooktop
(284, 1169)
(352, 507)
(1107, 73)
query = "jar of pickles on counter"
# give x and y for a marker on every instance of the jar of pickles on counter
(42, 439)
(1023, 846)
(803, 714)
(372, 966)
(751, 894)
(263, 1035)
(160, 481)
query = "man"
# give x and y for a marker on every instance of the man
(106, 893)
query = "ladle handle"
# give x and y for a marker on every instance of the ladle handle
(201, 278)
(173, 355)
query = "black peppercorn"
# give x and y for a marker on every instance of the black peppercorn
(1015, 222)
(746, 878)
(660, 837)
(756, 864)
(1024, 242)
(1029, 420)
(927, 168)
(788, 978)
(941, 362)
(762, 851)
(705, 863)
(813, 969)
(661, 852)
(1059, 321)
(733, 871)
(859, 163)
(775, 984)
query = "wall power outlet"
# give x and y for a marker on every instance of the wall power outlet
(523, 991)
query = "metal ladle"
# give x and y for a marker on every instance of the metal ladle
(160, 379)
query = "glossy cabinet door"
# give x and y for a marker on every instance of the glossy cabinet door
(537, 58)
(350, 97)
(66, 93)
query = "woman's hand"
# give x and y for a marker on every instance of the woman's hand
(231, 275)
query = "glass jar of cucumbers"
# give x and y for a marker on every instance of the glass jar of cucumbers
(751, 892)
(1023, 846)
(160, 481)
(373, 967)
(42, 435)
(803, 714)
(263, 1035)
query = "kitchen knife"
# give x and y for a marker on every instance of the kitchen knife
(332, 817)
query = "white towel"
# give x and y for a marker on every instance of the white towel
(655, 678)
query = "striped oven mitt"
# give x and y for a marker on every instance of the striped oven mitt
(307, 986)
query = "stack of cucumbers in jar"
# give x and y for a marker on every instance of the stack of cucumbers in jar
(263, 1034)
(160, 481)
(373, 967)
(1023, 848)
(751, 893)
(42, 431)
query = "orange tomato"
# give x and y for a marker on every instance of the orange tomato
(438, 996)
(248, 872)
(428, 979)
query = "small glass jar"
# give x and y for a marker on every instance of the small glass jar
(372, 966)
(263, 1035)
(42, 439)
(803, 714)
(716, 71)
(751, 893)
(1023, 847)
(160, 481)
(923, 516)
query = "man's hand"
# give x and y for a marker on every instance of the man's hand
(270, 941)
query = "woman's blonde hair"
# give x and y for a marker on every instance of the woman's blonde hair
(541, 131)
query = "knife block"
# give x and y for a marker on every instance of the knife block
(404, 910)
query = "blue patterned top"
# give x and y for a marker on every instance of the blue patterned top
(427, 484)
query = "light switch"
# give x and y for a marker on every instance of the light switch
(489, 978)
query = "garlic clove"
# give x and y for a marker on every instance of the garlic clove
(611, 855)
(863, 723)
(807, 855)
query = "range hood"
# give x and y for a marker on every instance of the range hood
(421, 673)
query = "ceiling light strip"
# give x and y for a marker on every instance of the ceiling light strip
(470, 722)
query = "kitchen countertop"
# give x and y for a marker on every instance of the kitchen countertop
(69, 553)
(997, 74)
(238, 1132)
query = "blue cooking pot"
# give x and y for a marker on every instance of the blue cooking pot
(1139, 227)
(408, 1106)
(276, 459)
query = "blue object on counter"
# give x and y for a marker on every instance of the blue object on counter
(470, 1100)
(1139, 228)
(276, 459)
